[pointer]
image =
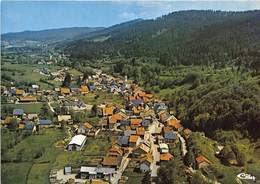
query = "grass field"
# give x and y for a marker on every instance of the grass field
(208, 149)
(34, 155)
(104, 97)
(26, 73)
(28, 108)
(15, 173)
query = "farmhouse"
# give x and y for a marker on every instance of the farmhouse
(64, 118)
(202, 161)
(64, 91)
(165, 157)
(173, 122)
(84, 89)
(90, 172)
(19, 92)
(77, 142)
(27, 99)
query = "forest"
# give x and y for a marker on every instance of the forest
(204, 64)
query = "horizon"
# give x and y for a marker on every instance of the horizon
(20, 16)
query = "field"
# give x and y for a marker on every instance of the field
(208, 149)
(26, 73)
(28, 108)
(33, 154)
(31, 158)
(104, 97)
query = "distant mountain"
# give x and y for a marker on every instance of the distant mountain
(50, 35)
(185, 37)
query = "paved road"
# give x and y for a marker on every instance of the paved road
(156, 158)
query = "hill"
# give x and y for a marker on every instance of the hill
(185, 37)
(50, 35)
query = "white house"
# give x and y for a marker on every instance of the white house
(64, 118)
(77, 142)
(164, 148)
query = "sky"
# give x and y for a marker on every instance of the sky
(38, 15)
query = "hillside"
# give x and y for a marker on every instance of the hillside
(185, 37)
(50, 35)
(205, 64)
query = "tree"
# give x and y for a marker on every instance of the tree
(241, 159)
(146, 179)
(67, 80)
(79, 81)
(94, 110)
(189, 159)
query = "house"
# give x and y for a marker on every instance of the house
(67, 170)
(8, 120)
(64, 91)
(123, 141)
(136, 102)
(84, 89)
(135, 122)
(202, 162)
(160, 107)
(163, 116)
(146, 123)
(64, 118)
(19, 92)
(77, 142)
(81, 130)
(115, 151)
(136, 110)
(27, 99)
(141, 149)
(129, 132)
(111, 161)
(45, 123)
(140, 131)
(124, 123)
(21, 125)
(91, 172)
(169, 135)
(175, 123)
(18, 112)
(107, 110)
(163, 148)
(165, 157)
(32, 117)
(145, 163)
(134, 140)
(187, 132)
(88, 126)
(115, 118)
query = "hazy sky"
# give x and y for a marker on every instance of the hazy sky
(37, 15)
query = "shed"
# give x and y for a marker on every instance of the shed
(18, 112)
(77, 142)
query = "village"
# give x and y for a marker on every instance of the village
(143, 133)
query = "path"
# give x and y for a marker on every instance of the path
(183, 145)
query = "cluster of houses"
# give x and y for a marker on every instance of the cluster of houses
(25, 121)
(146, 131)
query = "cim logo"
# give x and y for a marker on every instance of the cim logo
(245, 176)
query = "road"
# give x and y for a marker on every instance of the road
(51, 108)
(183, 145)
(118, 175)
